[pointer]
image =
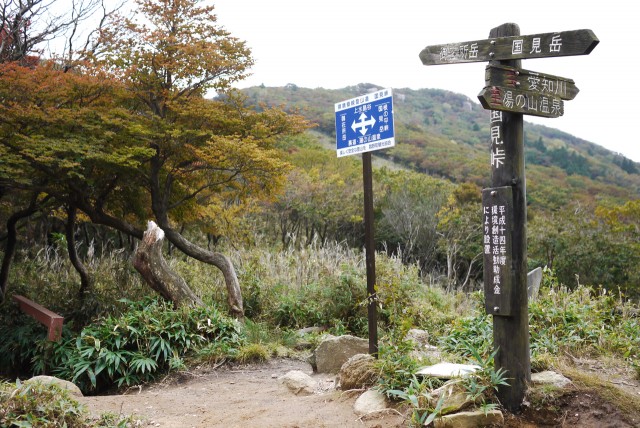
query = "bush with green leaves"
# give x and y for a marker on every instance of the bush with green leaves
(35, 404)
(584, 321)
(150, 337)
(395, 364)
(480, 386)
(49, 406)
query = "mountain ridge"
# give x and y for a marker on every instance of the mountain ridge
(446, 134)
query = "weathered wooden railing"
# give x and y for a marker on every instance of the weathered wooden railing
(48, 318)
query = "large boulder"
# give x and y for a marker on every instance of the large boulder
(63, 384)
(358, 372)
(334, 351)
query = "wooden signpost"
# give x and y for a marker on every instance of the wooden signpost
(511, 92)
(512, 47)
(517, 101)
(532, 81)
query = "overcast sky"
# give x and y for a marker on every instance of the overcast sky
(337, 43)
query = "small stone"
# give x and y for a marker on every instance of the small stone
(550, 378)
(475, 419)
(369, 402)
(448, 370)
(298, 382)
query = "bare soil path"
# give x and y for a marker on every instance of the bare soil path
(251, 395)
(244, 396)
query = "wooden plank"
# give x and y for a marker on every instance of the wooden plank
(497, 223)
(44, 316)
(530, 81)
(543, 45)
(523, 102)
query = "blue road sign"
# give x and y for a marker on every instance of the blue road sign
(365, 123)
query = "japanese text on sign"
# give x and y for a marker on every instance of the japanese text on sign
(495, 241)
(365, 123)
(497, 144)
(520, 46)
(497, 219)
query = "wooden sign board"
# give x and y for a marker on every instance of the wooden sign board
(497, 224)
(524, 102)
(530, 81)
(545, 45)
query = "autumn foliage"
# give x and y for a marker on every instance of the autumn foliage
(127, 132)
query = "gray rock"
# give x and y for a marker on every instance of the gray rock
(64, 384)
(448, 370)
(310, 330)
(456, 398)
(358, 372)
(534, 278)
(474, 419)
(427, 354)
(549, 378)
(334, 351)
(369, 402)
(419, 337)
(298, 382)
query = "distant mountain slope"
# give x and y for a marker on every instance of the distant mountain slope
(445, 134)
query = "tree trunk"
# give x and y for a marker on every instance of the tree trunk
(222, 262)
(148, 260)
(85, 277)
(10, 247)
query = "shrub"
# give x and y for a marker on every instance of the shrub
(49, 406)
(150, 337)
(35, 404)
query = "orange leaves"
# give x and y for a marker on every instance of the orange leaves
(182, 52)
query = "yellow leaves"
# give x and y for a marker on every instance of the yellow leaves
(622, 217)
(183, 52)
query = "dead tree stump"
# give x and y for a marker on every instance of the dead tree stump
(148, 260)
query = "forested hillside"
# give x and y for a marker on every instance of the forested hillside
(583, 200)
(444, 134)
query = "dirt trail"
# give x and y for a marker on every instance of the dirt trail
(251, 395)
(239, 397)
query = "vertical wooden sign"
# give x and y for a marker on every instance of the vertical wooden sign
(509, 93)
(511, 333)
(497, 223)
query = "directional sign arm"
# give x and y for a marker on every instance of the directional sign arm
(524, 102)
(532, 81)
(545, 45)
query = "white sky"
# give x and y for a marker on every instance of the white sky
(333, 44)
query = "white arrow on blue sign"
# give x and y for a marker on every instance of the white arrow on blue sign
(365, 123)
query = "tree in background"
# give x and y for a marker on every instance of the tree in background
(144, 141)
(460, 231)
(407, 220)
(587, 245)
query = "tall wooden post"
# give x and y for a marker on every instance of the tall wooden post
(509, 93)
(511, 333)
(370, 249)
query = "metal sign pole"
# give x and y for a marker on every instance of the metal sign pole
(370, 249)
